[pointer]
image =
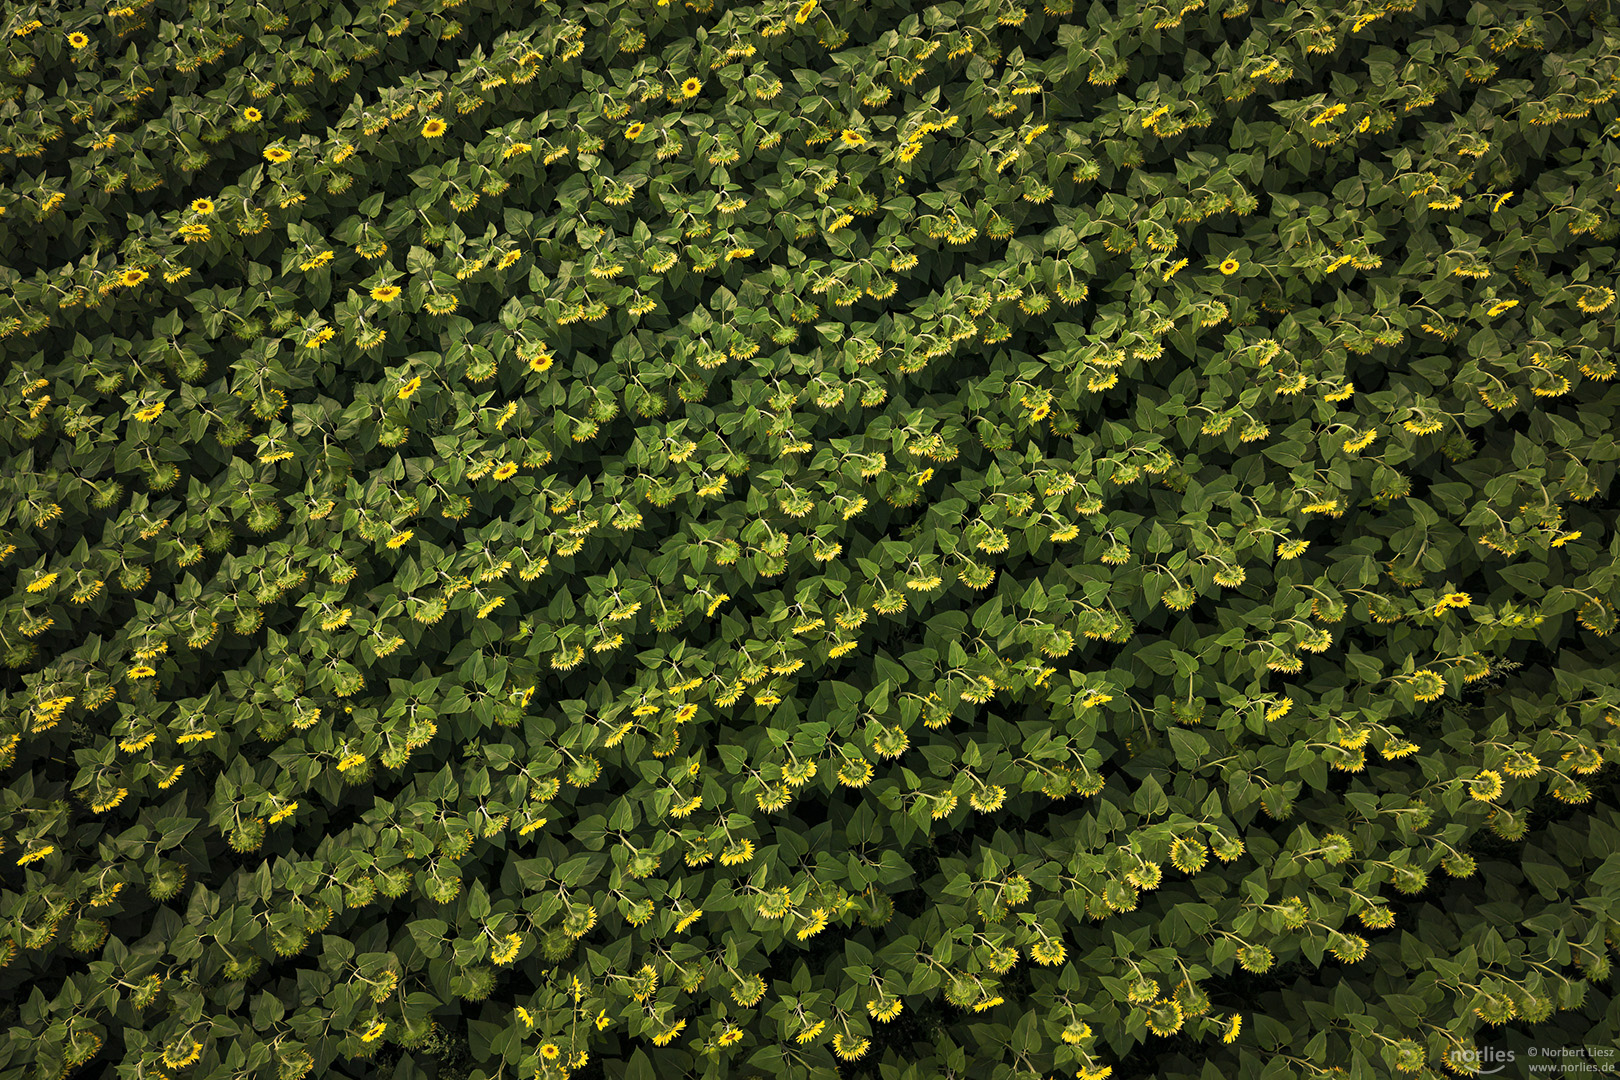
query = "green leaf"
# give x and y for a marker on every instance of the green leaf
(640, 1067)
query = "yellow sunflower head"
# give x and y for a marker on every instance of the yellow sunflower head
(1230, 266)
(78, 39)
(385, 293)
(252, 115)
(851, 138)
(203, 206)
(277, 154)
(634, 130)
(690, 87)
(434, 127)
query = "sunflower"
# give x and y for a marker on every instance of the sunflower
(737, 852)
(634, 130)
(252, 115)
(1165, 1018)
(851, 138)
(434, 127)
(1048, 953)
(78, 40)
(277, 154)
(1230, 267)
(1486, 786)
(132, 277)
(202, 206)
(690, 87)
(806, 9)
(385, 293)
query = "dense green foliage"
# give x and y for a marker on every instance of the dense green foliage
(664, 540)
